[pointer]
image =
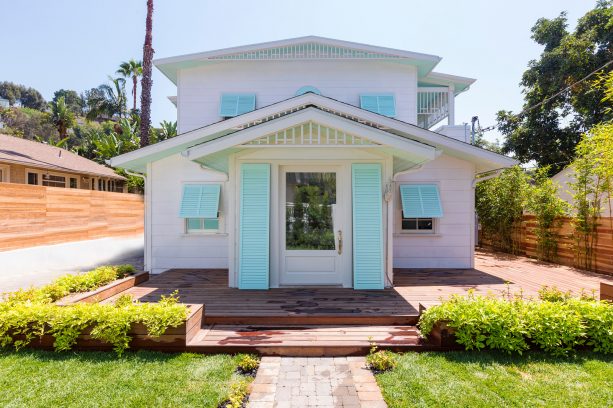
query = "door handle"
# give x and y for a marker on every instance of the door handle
(340, 242)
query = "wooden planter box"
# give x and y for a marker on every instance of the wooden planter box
(174, 339)
(606, 291)
(442, 336)
(106, 291)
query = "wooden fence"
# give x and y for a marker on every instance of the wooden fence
(603, 250)
(36, 215)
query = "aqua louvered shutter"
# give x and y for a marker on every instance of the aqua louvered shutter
(367, 226)
(200, 201)
(236, 104)
(421, 201)
(254, 228)
(383, 104)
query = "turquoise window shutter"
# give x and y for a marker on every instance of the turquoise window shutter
(383, 104)
(367, 193)
(236, 104)
(254, 228)
(421, 201)
(200, 201)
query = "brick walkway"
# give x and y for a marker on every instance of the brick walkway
(314, 382)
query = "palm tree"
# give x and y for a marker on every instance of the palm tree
(132, 69)
(145, 97)
(62, 117)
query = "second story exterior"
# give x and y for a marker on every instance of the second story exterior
(215, 85)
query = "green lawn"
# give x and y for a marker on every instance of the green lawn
(87, 379)
(465, 379)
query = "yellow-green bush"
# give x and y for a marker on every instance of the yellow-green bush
(556, 323)
(68, 284)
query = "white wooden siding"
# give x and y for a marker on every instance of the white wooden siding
(452, 245)
(171, 247)
(199, 89)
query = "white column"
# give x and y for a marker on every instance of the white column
(451, 106)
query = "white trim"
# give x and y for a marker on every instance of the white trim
(420, 150)
(447, 144)
(6, 173)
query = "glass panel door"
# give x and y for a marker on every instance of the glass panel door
(310, 201)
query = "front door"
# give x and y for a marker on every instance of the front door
(313, 231)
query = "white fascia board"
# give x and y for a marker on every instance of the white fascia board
(316, 116)
(460, 83)
(196, 136)
(296, 41)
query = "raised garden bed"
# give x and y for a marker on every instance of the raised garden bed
(106, 291)
(173, 339)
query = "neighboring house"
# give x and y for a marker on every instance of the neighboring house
(4, 103)
(28, 162)
(563, 180)
(309, 162)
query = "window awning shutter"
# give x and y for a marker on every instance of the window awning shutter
(236, 104)
(421, 201)
(200, 201)
(384, 104)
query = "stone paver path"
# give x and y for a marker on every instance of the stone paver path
(314, 382)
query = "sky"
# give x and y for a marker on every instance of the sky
(77, 44)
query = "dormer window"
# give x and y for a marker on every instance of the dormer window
(383, 104)
(236, 104)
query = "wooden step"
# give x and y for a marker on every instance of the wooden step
(305, 340)
(338, 319)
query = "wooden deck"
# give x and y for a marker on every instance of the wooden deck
(337, 321)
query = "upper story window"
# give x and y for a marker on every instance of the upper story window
(236, 104)
(306, 89)
(383, 104)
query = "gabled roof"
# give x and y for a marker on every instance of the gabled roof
(485, 160)
(309, 47)
(40, 155)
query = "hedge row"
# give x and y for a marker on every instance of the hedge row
(556, 322)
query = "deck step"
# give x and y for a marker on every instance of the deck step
(305, 340)
(339, 319)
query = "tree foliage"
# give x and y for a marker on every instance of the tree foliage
(132, 69)
(62, 117)
(74, 102)
(24, 96)
(500, 204)
(549, 133)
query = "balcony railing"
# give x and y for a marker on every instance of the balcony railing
(432, 106)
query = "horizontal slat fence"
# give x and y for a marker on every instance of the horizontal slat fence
(603, 260)
(36, 215)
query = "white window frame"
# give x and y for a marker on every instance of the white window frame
(6, 173)
(221, 228)
(42, 172)
(399, 216)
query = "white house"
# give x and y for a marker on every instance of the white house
(564, 178)
(310, 161)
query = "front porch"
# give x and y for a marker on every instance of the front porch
(341, 321)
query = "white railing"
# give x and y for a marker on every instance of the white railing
(432, 106)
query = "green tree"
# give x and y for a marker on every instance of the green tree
(107, 101)
(62, 117)
(500, 204)
(132, 69)
(166, 130)
(27, 123)
(548, 133)
(74, 102)
(25, 96)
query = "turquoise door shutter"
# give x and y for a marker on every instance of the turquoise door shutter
(367, 226)
(254, 228)
(420, 201)
(200, 201)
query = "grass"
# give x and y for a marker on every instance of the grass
(98, 379)
(484, 379)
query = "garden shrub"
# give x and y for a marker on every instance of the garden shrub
(555, 323)
(380, 361)
(109, 323)
(247, 364)
(68, 284)
(238, 393)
